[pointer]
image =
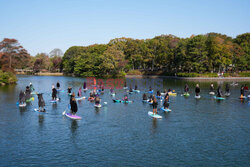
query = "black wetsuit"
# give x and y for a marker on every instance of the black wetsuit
(219, 92)
(144, 97)
(58, 85)
(197, 91)
(54, 91)
(135, 87)
(21, 97)
(166, 104)
(27, 94)
(41, 102)
(227, 88)
(73, 105)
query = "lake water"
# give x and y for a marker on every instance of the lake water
(202, 132)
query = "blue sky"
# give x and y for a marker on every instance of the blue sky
(42, 25)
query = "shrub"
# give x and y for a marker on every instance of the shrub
(7, 77)
(134, 72)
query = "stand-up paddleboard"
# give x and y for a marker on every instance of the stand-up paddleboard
(186, 94)
(152, 91)
(165, 109)
(37, 110)
(130, 92)
(31, 99)
(22, 105)
(127, 101)
(125, 87)
(219, 98)
(154, 115)
(145, 101)
(211, 93)
(80, 98)
(163, 94)
(136, 91)
(69, 94)
(197, 97)
(112, 94)
(172, 94)
(33, 93)
(98, 105)
(59, 90)
(69, 115)
(85, 89)
(55, 101)
(117, 101)
(150, 102)
(227, 94)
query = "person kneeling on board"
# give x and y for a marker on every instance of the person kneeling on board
(41, 102)
(186, 88)
(144, 97)
(125, 98)
(73, 104)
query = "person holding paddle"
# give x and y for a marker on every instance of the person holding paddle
(73, 104)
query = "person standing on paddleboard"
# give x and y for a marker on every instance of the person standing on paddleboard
(155, 104)
(136, 87)
(219, 91)
(80, 92)
(97, 100)
(54, 91)
(166, 102)
(186, 88)
(69, 90)
(31, 87)
(73, 104)
(58, 85)
(197, 90)
(27, 93)
(21, 97)
(242, 91)
(41, 102)
(212, 87)
(227, 90)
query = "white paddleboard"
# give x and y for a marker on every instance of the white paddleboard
(211, 93)
(154, 115)
(197, 97)
(37, 110)
(98, 106)
(80, 98)
(22, 105)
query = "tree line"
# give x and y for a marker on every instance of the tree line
(167, 54)
(209, 53)
(14, 56)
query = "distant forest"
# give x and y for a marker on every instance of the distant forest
(165, 54)
(169, 54)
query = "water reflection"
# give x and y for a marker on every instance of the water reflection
(40, 120)
(74, 126)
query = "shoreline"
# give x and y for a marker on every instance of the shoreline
(191, 78)
(159, 76)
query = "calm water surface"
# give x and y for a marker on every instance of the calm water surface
(201, 132)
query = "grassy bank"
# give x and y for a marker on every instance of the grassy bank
(191, 74)
(7, 78)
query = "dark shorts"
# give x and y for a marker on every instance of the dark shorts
(154, 106)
